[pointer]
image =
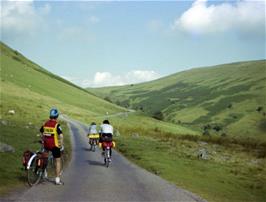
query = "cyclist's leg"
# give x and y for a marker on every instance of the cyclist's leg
(57, 166)
(57, 156)
(110, 136)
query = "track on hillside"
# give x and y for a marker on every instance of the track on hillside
(87, 179)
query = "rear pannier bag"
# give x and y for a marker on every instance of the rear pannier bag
(26, 157)
(42, 159)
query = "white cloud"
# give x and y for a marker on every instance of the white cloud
(243, 16)
(137, 76)
(101, 79)
(21, 17)
(107, 79)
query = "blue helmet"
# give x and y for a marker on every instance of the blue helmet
(54, 113)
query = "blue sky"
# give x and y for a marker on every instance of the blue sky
(113, 43)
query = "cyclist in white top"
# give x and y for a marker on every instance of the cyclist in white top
(93, 133)
(106, 128)
(106, 133)
(93, 128)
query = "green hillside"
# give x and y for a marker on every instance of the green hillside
(226, 99)
(233, 171)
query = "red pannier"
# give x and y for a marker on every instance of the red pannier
(42, 159)
(26, 157)
(107, 144)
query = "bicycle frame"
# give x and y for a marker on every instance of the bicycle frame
(107, 146)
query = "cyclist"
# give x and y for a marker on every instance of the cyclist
(106, 133)
(52, 137)
(93, 133)
(93, 128)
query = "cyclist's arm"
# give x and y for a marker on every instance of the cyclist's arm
(41, 131)
(60, 135)
(61, 139)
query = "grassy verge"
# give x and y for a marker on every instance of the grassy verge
(67, 143)
(231, 173)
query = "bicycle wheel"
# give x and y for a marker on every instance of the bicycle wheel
(34, 173)
(107, 156)
(93, 147)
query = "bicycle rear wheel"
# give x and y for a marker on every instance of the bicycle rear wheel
(107, 156)
(93, 146)
(34, 173)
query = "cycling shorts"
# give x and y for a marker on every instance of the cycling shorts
(106, 137)
(56, 152)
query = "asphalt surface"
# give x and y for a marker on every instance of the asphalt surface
(87, 179)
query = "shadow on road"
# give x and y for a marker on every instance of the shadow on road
(95, 163)
(86, 149)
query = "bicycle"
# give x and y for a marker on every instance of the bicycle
(40, 163)
(93, 141)
(107, 157)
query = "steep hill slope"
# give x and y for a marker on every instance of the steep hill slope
(230, 98)
(18, 73)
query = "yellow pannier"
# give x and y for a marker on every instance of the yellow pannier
(93, 136)
(114, 144)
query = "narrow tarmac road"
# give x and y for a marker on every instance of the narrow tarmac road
(87, 179)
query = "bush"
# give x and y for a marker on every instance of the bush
(207, 127)
(206, 133)
(259, 109)
(217, 128)
(108, 99)
(118, 102)
(158, 115)
(223, 135)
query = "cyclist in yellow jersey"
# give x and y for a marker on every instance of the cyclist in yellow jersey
(52, 136)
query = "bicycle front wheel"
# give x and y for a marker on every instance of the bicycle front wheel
(34, 173)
